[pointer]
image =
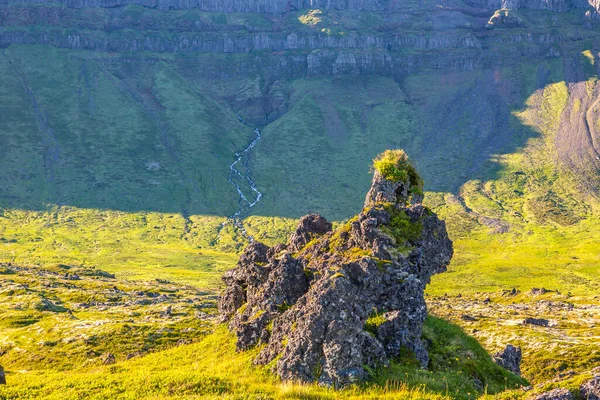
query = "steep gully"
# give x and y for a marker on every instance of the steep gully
(245, 203)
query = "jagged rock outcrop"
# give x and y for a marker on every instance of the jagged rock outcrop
(590, 390)
(331, 304)
(555, 394)
(510, 358)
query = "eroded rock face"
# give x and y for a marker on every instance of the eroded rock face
(331, 303)
(283, 6)
(556, 394)
(590, 390)
(510, 358)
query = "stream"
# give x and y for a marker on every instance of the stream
(245, 202)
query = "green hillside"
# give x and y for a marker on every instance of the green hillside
(115, 154)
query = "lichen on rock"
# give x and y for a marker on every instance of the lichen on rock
(331, 305)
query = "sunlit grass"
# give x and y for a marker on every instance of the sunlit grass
(213, 369)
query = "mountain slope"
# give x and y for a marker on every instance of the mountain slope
(118, 126)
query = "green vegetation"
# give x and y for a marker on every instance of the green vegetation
(131, 245)
(119, 163)
(373, 322)
(212, 368)
(401, 228)
(394, 165)
(457, 367)
(61, 318)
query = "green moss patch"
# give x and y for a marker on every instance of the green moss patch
(394, 165)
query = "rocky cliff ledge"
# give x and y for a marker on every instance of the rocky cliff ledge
(331, 304)
(283, 6)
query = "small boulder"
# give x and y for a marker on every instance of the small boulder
(510, 359)
(536, 321)
(167, 312)
(2, 377)
(538, 291)
(108, 359)
(510, 293)
(590, 390)
(555, 394)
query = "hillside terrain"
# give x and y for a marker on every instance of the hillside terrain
(120, 122)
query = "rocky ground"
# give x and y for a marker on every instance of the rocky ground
(558, 333)
(61, 317)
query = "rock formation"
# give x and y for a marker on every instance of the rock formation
(510, 358)
(590, 390)
(283, 6)
(555, 394)
(329, 305)
(2, 377)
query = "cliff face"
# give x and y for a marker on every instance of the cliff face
(240, 6)
(283, 6)
(330, 304)
(392, 43)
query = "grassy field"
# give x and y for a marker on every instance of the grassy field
(211, 368)
(123, 168)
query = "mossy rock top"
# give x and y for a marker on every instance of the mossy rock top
(396, 180)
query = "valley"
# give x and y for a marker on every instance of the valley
(144, 144)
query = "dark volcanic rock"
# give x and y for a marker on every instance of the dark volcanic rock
(309, 227)
(536, 321)
(108, 359)
(538, 291)
(556, 394)
(590, 390)
(332, 304)
(2, 377)
(510, 358)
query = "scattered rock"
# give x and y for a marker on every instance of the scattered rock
(47, 305)
(510, 359)
(536, 321)
(167, 312)
(92, 353)
(2, 377)
(72, 277)
(466, 317)
(108, 359)
(538, 291)
(566, 374)
(333, 304)
(590, 390)
(555, 394)
(510, 293)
